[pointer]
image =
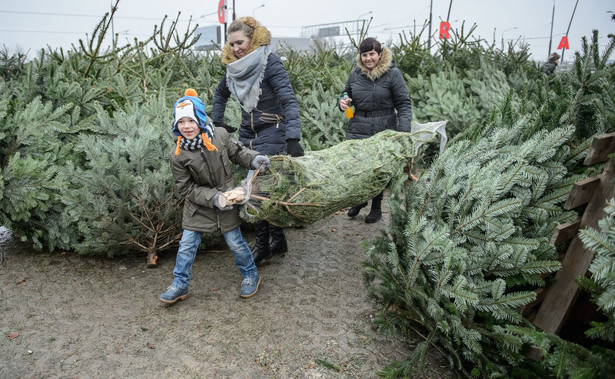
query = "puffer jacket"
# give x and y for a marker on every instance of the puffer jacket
(276, 117)
(380, 98)
(199, 175)
(549, 67)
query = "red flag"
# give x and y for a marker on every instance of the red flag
(564, 43)
(222, 11)
(445, 26)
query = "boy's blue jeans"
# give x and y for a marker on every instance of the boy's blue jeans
(189, 244)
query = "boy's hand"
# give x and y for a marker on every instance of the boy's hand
(294, 148)
(256, 163)
(218, 201)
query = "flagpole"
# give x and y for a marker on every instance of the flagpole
(567, 30)
(551, 36)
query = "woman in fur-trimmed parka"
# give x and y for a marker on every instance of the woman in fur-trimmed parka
(270, 123)
(377, 89)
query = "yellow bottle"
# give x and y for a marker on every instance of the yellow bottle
(349, 112)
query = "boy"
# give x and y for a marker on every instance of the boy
(201, 166)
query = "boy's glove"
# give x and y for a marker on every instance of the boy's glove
(217, 202)
(256, 162)
(228, 128)
(294, 148)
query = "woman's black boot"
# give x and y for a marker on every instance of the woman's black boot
(352, 212)
(278, 241)
(375, 213)
(261, 249)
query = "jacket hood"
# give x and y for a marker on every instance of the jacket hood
(260, 37)
(199, 113)
(384, 64)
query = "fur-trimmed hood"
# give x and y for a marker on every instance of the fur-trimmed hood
(384, 64)
(260, 37)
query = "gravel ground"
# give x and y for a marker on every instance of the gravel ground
(71, 316)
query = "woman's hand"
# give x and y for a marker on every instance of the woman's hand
(345, 104)
(294, 148)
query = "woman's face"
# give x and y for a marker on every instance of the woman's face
(370, 59)
(239, 43)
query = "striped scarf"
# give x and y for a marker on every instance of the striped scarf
(199, 142)
(191, 144)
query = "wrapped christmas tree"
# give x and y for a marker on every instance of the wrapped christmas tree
(299, 191)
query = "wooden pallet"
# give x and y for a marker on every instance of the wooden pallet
(559, 299)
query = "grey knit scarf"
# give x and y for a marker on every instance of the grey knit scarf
(244, 77)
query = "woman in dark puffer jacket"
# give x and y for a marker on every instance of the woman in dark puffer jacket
(377, 89)
(270, 123)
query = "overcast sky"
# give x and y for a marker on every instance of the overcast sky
(34, 24)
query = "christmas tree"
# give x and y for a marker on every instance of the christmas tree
(468, 244)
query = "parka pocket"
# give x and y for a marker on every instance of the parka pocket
(226, 163)
(194, 176)
(190, 208)
(271, 118)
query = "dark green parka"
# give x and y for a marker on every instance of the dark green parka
(199, 175)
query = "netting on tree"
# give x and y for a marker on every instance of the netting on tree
(302, 190)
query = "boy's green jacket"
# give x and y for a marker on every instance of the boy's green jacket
(200, 174)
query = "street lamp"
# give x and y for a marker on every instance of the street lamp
(364, 14)
(254, 10)
(505, 30)
(359, 19)
(208, 14)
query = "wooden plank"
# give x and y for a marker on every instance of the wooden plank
(561, 296)
(565, 232)
(540, 295)
(582, 192)
(600, 148)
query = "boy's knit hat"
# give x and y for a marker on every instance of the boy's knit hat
(192, 107)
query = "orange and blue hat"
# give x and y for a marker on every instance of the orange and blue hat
(192, 107)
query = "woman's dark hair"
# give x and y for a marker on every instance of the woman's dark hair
(370, 44)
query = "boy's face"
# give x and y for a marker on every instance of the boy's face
(188, 127)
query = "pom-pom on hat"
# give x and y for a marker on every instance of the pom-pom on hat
(191, 92)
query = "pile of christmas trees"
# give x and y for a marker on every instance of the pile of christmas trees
(469, 244)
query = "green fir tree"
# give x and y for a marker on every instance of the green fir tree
(469, 244)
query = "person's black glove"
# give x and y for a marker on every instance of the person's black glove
(228, 128)
(256, 163)
(294, 148)
(217, 202)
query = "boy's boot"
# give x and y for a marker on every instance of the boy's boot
(278, 241)
(352, 212)
(173, 294)
(375, 213)
(261, 249)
